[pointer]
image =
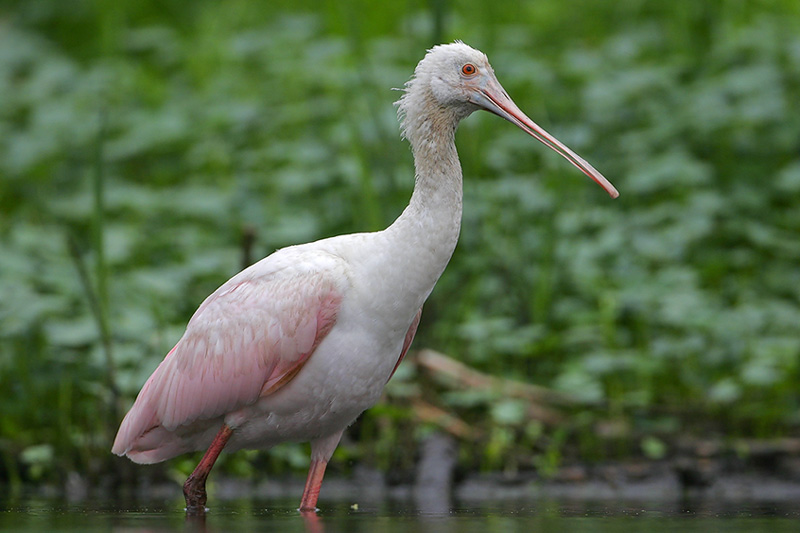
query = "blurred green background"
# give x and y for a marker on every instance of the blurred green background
(149, 149)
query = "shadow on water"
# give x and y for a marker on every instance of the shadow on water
(413, 514)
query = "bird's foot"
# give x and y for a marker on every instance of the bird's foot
(195, 510)
(194, 491)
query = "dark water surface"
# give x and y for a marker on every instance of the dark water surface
(483, 517)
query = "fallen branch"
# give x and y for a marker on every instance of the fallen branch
(444, 366)
(430, 413)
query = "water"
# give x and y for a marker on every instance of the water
(484, 517)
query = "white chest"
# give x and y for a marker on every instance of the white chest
(345, 376)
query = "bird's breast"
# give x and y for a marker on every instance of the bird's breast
(344, 376)
(384, 289)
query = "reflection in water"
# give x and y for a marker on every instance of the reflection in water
(403, 516)
(312, 522)
(198, 522)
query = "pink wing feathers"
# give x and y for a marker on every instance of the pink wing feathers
(245, 341)
(412, 330)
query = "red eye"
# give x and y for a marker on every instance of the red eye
(468, 69)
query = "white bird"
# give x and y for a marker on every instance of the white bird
(297, 346)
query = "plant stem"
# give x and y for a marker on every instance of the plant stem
(100, 296)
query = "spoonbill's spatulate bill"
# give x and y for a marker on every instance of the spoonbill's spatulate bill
(298, 345)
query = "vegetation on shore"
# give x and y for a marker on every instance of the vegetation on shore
(149, 150)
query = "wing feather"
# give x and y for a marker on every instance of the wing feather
(246, 340)
(409, 338)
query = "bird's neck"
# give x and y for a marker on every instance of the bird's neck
(423, 238)
(436, 202)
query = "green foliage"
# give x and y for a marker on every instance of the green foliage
(682, 296)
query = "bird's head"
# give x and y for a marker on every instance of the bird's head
(457, 80)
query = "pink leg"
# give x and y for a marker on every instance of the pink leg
(194, 490)
(313, 483)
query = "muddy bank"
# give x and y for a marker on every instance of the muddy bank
(754, 471)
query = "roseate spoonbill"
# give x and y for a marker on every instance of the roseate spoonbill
(298, 345)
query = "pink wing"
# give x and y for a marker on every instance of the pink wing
(412, 330)
(245, 341)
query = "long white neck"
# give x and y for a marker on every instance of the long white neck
(402, 263)
(421, 241)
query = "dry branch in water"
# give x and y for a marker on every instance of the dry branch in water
(453, 373)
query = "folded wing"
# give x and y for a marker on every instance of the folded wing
(245, 341)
